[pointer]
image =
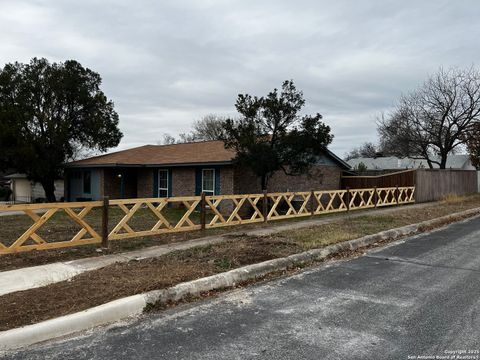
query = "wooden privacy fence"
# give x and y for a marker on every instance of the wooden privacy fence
(430, 184)
(59, 225)
(398, 178)
(434, 184)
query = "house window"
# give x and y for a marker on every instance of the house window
(162, 183)
(87, 182)
(208, 181)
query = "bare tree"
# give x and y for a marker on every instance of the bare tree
(367, 149)
(167, 139)
(431, 122)
(208, 128)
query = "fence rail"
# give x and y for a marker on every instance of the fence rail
(60, 225)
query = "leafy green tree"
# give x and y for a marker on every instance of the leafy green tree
(48, 113)
(270, 135)
(361, 168)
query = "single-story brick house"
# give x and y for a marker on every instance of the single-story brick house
(184, 170)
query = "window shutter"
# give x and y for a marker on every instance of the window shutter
(198, 181)
(170, 186)
(217, 181)
(155, 182)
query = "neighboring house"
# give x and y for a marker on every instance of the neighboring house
(26, 191)
(184, 170)
(3, 180)
(394, 163)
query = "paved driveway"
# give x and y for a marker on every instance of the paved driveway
(417, 298)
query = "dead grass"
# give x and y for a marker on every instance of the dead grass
(338, 231)
(352, 228)
(12, 226)
(119, 280)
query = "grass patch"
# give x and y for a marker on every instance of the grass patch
(355, 227)
(338, 231)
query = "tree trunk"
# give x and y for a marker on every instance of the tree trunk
(443, 161)
(49, 188)
(264, 182)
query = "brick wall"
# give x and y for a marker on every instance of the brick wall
(226, 180)
(183, 182)
(145, 183)
(321, 178)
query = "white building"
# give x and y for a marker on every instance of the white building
(394, 163)
(26, 191)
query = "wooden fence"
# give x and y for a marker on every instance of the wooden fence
(434, 184)
(399, 178)
(430, 184)
(478, 181)
(60, 225)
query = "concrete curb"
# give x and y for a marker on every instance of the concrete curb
(135, 305)
(69, 324)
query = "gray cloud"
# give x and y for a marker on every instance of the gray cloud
(168, 63)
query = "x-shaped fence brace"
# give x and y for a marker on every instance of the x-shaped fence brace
(330, 201)
(41, 214)
(123, 230)
(279, 199)
(361, 199)
(226, 210)
(232, 206)
(406, 195)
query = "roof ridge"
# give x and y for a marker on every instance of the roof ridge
(183, 143)
(107, 154)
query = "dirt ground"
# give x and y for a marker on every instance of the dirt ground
(119, 280)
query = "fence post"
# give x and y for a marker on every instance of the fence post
(312, 202)
(348, 198)
(105, 206)
(397, 193)
(265, 206)
(203, 209)
(375, 196)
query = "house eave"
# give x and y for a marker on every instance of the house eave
(121, 165)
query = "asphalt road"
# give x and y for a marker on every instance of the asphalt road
(420, 297)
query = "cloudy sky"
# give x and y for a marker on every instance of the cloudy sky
(167, 63)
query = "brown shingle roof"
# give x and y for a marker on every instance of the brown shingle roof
(187, 153)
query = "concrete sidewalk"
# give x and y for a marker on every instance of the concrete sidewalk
(37, 276)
